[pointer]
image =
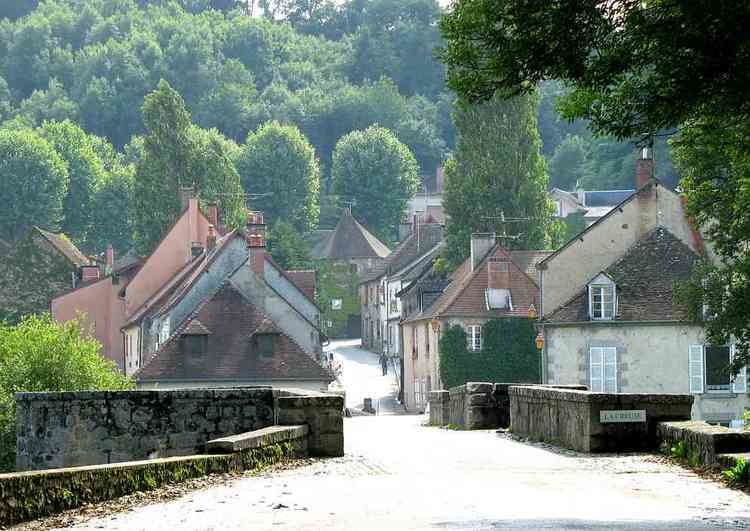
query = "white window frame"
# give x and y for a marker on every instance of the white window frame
(599, 284)
(474, 338)
(600, 360)
(697, 369)
(739, 380)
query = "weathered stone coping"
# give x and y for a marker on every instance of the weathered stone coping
(229, 392)
(704, 440)
(575, 395)
(257, 438)
(29, 495)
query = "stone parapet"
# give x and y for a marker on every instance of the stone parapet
(439, 408)
(258, 439)
(573, 418)
(705, 441)
(324, 415)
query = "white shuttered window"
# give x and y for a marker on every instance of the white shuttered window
(695, 368)
(739, 380)
(603, 369)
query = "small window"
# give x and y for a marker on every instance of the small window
(602, 299)
(498, 299)
(427, 339)
(717, 375)
(264, 344)
(603, 369)
(336, 304)
(194, 345)
(474, 338)
(414, 342)
(164, 331)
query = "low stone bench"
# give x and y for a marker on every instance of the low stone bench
(258, 439)
(705, 440)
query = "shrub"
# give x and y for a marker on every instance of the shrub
(679, 450)
(40, 354)
(739, 473)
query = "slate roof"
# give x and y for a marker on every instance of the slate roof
(601, 198)
(373, 273)
(61, 242)
(415, 245)
(352, 240)
(645, 278)
(465, 295)
(233, 320)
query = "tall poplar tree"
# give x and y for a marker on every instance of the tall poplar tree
(498, 170)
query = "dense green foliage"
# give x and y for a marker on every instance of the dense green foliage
(40, 354)
(336, 281)
(287, 246)
(34, 183)
(637, 69)
(379, 173)
(508, 354)
(497, 173)
(278, 163)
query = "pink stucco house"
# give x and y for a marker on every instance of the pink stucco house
(106, 303)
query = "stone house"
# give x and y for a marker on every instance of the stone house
(108, 301)
(609, 317)
(591, 204)
(240, 259)
(344, 254)
(37, 267)
(493, 282)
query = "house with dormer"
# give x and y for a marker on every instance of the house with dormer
(492, 283)
(610, 317)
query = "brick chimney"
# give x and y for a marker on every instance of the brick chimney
(481, 243)
(213, 214)
(255, 232)
(109, 258)
(186, 194)
(211, 238)
(644, 168)
(498, 273)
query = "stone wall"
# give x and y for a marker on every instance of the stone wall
(56, 430)
(571, 418)
(704, 442)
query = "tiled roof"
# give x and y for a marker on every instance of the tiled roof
(375, 272)
(304, 280)
(645, 278)
(465, 295)
(196, 328)
(233, 320)
(65, 246)
(527, 261)
(418, 243)
(317, 240)
(351, 240)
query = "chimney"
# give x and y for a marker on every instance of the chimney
(255, 232)
(481, 243)
(109, 258)
(211, 238)
(89, 274)
(498, 273)
(186, 194)
(644, 168)
(213, 214)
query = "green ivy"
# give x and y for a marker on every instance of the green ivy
(508, 354)
(337, 281)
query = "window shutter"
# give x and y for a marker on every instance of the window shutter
(610, 369)
(739, 381)
(695, 369)
(596, 369)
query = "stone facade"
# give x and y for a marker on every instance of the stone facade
(571, 418)
(56, 430)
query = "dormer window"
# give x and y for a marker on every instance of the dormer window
(602, 298)
(264, 344)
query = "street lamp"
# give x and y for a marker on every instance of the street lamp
(539, 341)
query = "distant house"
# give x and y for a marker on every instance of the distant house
(493, 282)
(345, 254)
(427, 203)
(609, 315)
(37, 267)
(239, 260)
(590, 204)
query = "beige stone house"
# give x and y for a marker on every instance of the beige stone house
(493, 282)
(609, 316)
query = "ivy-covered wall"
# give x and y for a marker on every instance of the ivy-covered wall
(26, 496)
(32, 273)
(508, 354)
(337, 281)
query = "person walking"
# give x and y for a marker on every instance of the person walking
(384, 364)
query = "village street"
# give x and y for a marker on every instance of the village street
(399, 474)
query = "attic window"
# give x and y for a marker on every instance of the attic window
(498, 299)
(602, 298)
(194, 345)
(264, 344)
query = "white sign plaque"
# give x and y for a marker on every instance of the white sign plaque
(622, 415)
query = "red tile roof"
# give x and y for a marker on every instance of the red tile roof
(304, 280)
(232, 320)
(66, 247)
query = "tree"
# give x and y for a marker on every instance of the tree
(111, 213)
(34, 183)
(176, 154)
(86, 171)
(40, 354)
(278, 160)
(566, 165)
(497, 170)
(379, 173)
(51, 104)
(287, 246)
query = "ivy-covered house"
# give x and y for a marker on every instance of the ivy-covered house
(34, 269)
(492, 295)
(343, 255)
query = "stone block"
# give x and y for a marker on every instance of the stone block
(706, 440)
(257, 438)
(478, 387)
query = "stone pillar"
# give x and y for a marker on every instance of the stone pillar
(324, 417)
(480, 412)
(440, 403)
